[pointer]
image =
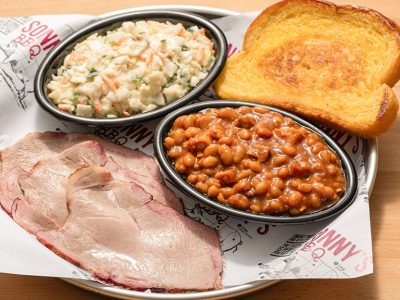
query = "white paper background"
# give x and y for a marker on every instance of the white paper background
(334, 248)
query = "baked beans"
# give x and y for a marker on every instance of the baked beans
(254, 159)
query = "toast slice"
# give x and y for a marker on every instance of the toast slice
(332, 64)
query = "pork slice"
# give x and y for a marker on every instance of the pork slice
(43, 204)
(37, 146)
(155, 188)
(9, 187)
(116, 231)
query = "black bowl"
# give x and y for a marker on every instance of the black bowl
(344, 202)
(55, 58)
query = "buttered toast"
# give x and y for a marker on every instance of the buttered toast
(333, 64)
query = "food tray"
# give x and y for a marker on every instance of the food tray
(371, 163)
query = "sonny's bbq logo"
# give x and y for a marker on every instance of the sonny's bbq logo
(137, 133)
(38, 37)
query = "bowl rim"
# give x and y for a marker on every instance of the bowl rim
(42, 71)
(343, 203)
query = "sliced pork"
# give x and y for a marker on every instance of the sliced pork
(37, 146)
(43, 205)
(117, 232)
(34, 147)
(95, 210)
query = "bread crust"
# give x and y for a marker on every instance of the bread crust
(387, 105)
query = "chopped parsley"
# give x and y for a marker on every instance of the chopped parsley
(75, 98)
(171, 81)
(93, 73)
(191, 30)
(185, 48)
(137, 78)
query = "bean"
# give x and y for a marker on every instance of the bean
(213, 191)
(209, 171)
(279, 160)
(263, 154)
(225, 140)
(305, 187)
(227, 113)
(239, 201)
(277, 120)
(260, 109)
(263, 131)
(241, 186)
(211, 150)
(178, 123)
(227, 192)
(213, 181)
(175, 152)
(245, 134)
(332, 169)
(210, 162)
(239, 153)
(262, 187)
(289, 150)
(295, 169)
(306, 166)
(179, 165)
(340, 178)
(202, 177)
(189, 160)
(192, 178)
(294, 183)
(311, 141)
(276, 206)
(243, 110)
(245, 122)
(319, 188)
(256, 207)
(278, 183)
(226, 157)
(221, 198)
(204, 121)
(283, 172)
(334, 158)
(189, 121)
(191, 131)
(275, 191)
(244, 174)
(217, 131)
(199, 143)
(178, 135)
(317, 148)
(295, 199)
(169, 142)
(227, 176)
(202, 187)
(325, 156)
(255, 166)
(294, 211)
(268, 175)
(314, 200)
(328, 192)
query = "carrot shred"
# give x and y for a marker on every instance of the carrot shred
(108, 82)
(200, 56)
